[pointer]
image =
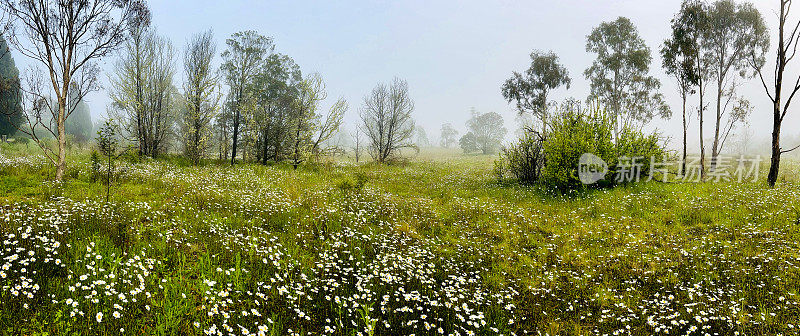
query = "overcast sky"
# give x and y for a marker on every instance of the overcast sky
(454, 54)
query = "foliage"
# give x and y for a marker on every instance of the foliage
(486, 132)
(530, 90)
(575, 132)
(680, 55)
(386, 120)
(469, 143)
(144, 98)
(108, 145)
(200, 97)
(523, 160)
(275, 87)
(80, 125)
(245, 56)
(421, 137)
(648, 151)
(448, 136)
(10, 92)
(308, 134)
(94, 165)
(736, 37)
(619, 76)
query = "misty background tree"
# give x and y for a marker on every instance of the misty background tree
(486, 133)
(421, 137)
(10, 92)
(449, 136)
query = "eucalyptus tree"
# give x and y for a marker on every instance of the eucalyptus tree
(275, 88)
(421, 136)
(387, 121)
(309, 130)
(200, 97)
(736, 35)
(529, 90)
(619, 76)
(142, 91)
(486, 131)
(246, 54)
(448, 136)
(356, 135)
(325, 129)
(65, 39)
(79, 126)
(788, 37)
(690, 29)
(679, 55)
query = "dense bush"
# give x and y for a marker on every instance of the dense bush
(575, 132)
(523, 160)
(554, 159)
(642, 150)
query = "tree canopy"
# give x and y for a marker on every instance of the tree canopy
(619, 76)
(10, 95)
(529, 90)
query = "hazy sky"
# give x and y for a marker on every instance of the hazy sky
(454, 54)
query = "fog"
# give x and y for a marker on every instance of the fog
(455, 55)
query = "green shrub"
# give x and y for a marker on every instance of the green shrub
(554, 160)
(523, 160)
(575, 132)
(640, 149)
(349, 187)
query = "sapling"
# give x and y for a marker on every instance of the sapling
(108, 145)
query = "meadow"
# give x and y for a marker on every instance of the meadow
(433, 246)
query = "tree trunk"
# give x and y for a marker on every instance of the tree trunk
(544, 121)
(702, 142)
(683, 162)
(265, 149)
(775, 160)
(715, 149)
(61, 164)
(235, 136)
(296, 161)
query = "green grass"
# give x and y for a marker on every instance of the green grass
(434, 242)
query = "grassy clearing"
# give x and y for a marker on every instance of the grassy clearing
(431, 246)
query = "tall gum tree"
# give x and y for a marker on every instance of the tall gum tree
(736, 34)
(246, 54)
(619, 76)
(65, 39)
(786, 50)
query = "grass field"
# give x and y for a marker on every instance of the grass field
(432, 246)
